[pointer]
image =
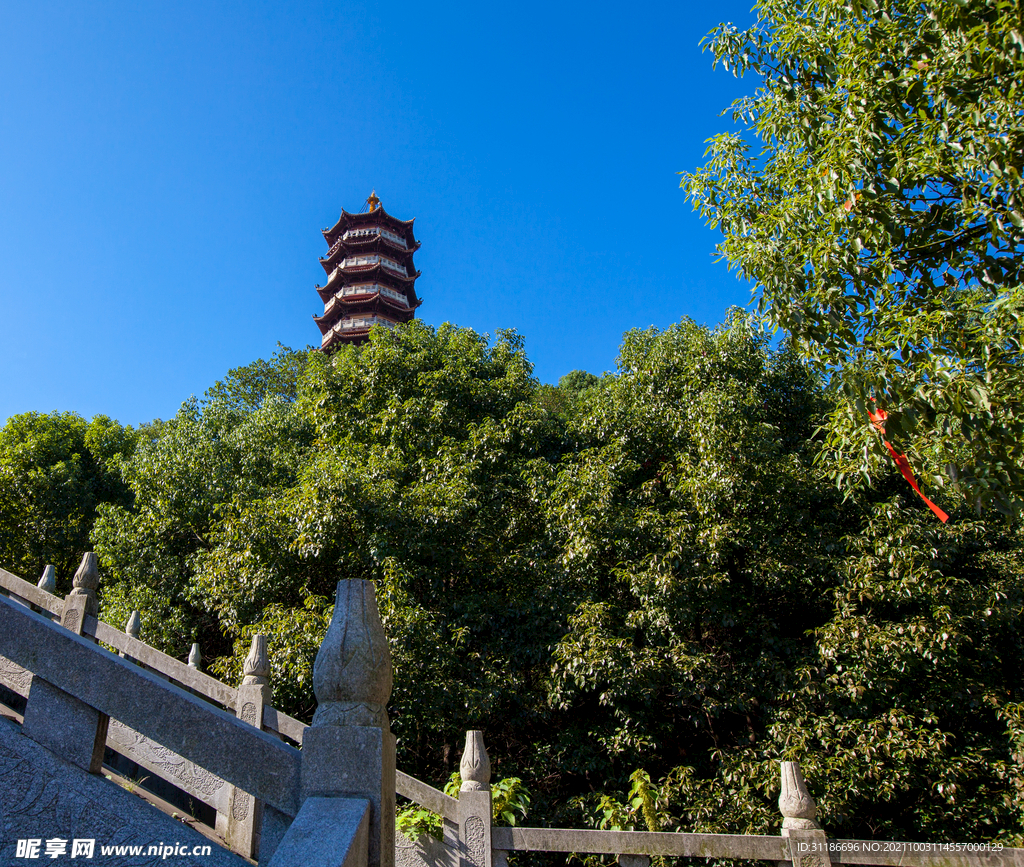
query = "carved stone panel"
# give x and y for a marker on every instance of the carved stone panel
(157, 759)
(14, 677)
(476, 841)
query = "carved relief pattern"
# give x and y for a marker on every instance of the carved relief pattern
(811, 860)
(162, 761)
(352, 675)
(475, 840)
(248, 713)
(240, 806)
(14, 677)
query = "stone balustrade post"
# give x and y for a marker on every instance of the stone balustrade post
(475, 804)
(53, 718)
(240, 827)
(349, 752)
(195, 658)
(48, 581)
(808, 845)
(81, 602)
(133, 628)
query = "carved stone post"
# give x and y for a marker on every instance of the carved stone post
(808, 845)
(60, 722)
(132, 629)
(195, 658)
(242, 823)
(349, 750)
(81, 602)
(475, 803)
(48, 581)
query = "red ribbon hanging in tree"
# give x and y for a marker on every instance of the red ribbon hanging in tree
(878, 420)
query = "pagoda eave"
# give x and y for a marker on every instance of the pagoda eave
(379, 215)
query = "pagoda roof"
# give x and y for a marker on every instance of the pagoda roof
(339, 304)
(372, 245)
(362, 272)
(378, 217)
(372, 304)
(376, 273)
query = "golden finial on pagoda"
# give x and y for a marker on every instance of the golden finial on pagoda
(373, 201)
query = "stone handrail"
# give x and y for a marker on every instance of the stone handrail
(746, 846)
(245, 756)
(640, 843)
(176, 671)
(30, 594)
(802, 843)
(426, 796)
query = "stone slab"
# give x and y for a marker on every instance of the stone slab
(328, 832)
(211, 738)
(275, 826)
(66, 726)
(355, 762)
(44, 797)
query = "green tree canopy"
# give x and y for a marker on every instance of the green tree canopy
(645, 571)
(54, 470)
(881, 222)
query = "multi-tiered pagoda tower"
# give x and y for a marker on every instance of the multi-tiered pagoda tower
(370, 275)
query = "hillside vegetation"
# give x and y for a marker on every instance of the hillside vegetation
(647, 571)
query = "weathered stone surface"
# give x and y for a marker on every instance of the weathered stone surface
(275, 826)
(134, 625)
(72, 618)
(48, 581)
(744, 846)
(256, 668)
(152, 658)
(475, 767)
(43, 797)
(168, 765)
(85, 582)
(475, 828)
(65, 726)
(14, 677)
(328, 832)
(795, 802)
(355, 762)
(424, 852)
(808, 845)
(352, 675)
(30, 593)
(213, 739)
(239, 824)
(426, 796)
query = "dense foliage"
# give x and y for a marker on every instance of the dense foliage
(881, 219)
(641, 586)
(54, 471)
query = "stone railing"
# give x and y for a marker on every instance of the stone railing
(221, 745)
(802, 842)
(333, 800)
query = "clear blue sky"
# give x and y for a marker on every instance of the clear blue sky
(166, 168)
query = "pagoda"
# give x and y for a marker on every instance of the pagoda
(370, 275)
